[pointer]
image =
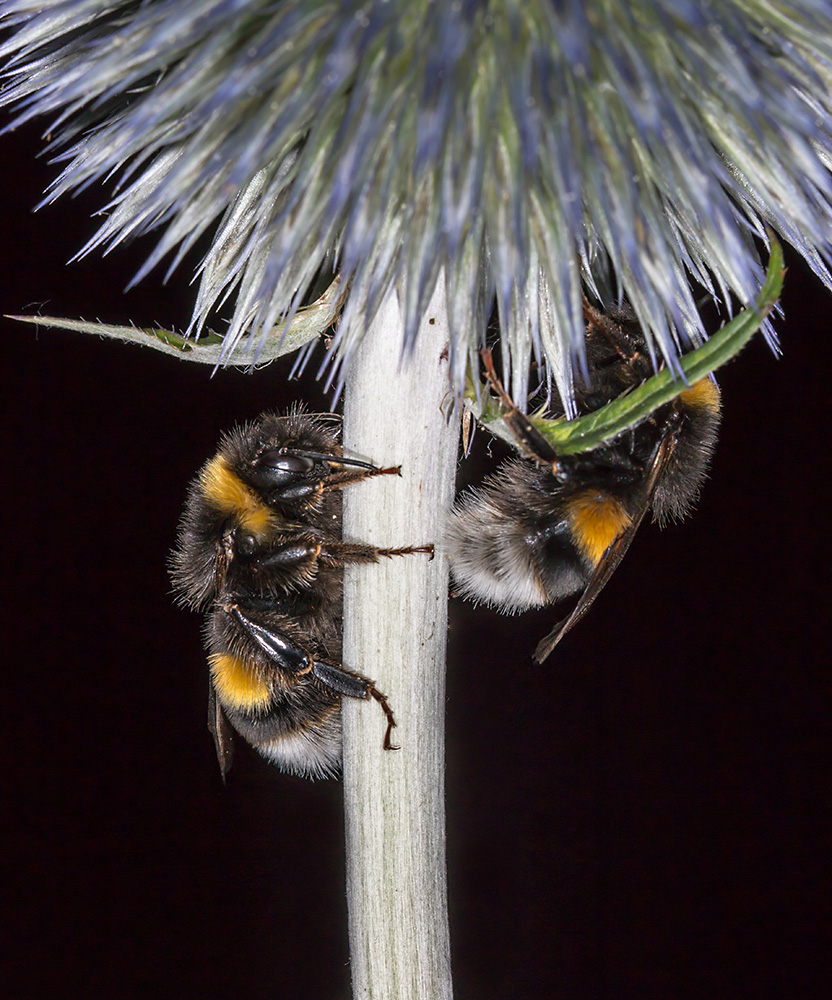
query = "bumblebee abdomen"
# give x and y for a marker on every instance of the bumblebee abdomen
(298, 728)
(291, 718)
(679, 487)
(311, 752)
(596, 518)
(524, 540)
(494, 564)
(239, 683)
(702, 395)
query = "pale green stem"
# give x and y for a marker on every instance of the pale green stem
(395, 625)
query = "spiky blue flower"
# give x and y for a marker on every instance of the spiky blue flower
(514, 147)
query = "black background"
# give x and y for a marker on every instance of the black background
(644, 817)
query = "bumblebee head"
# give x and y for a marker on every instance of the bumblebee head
(284, 476)
(283, 460)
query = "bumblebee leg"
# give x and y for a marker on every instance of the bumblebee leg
(296, 660)
(494, 380)
(348, 476)
(528, 436)
(353, 685)
(406, 551)
(342, 553)
(306, 550)
(611, 331)
(286, 653)
(290, 475)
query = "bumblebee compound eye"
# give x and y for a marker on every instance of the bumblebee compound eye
(285, 475)
(287, 464)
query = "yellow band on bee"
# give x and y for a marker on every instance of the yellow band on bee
(225, 491)
(237, 682)
(596, 519)
(703, 393)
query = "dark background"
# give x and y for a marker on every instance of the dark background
(644, 817)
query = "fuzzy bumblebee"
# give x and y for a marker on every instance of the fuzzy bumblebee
(548, 526)
(260, 549)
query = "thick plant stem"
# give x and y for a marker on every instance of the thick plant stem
(395, 624)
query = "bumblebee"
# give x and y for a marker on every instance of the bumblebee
(260, 549)
(548, 526)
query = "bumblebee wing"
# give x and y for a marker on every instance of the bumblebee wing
(603, 571)
(221, 730)
(612, 557)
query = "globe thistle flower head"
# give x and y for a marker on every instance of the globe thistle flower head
(515, 150)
